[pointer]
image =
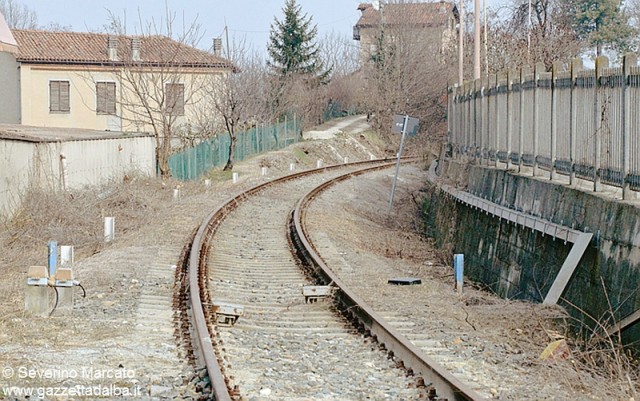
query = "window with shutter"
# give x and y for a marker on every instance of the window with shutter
(106, 98)
(59, 97)
(174, 94)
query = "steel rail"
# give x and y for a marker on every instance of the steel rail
(413, 359)
(202, 343)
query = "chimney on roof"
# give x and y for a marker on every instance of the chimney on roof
(217, 46)
(112, 48)
(135, 49)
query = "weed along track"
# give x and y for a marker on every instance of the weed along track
(254, 329)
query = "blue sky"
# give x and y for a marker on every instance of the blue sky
(250, 19)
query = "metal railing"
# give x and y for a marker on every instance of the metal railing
(192, 163)
(583, 123)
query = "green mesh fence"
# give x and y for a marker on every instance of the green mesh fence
(335, 110)
(191, 164)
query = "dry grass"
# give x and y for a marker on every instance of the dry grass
(71, 218)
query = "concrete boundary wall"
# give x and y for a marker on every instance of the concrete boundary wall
(67, 165)
(520, 263)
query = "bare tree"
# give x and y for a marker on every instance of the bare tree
(408, 69)
(56, 27)
(339, 54)
(515, 40)
(162, 80)
(17, 15)
(237, 101)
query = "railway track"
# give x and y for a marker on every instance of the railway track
(256, 333)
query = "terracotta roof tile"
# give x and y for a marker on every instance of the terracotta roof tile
(91, 48)
(409, 14)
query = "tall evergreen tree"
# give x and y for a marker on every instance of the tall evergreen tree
(292, 44)
(602, 23)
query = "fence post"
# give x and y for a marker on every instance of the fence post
(462, 102)
(576, 66)
(539, 68)
(602, 62)
(484, 111)
(491, 121)
(465, 121)
(473, 118)
(523, 73)
(557, 67)
(476, 129)
(630, 60)
(499, 83)
(449, 115)
(286, 129)
(510, 114)
(453, 138)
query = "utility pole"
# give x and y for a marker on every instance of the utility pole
(476, 39)
(461, 45)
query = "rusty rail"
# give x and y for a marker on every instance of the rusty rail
(200, 315)
(413, 359)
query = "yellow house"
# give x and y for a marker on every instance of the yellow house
(102, 82)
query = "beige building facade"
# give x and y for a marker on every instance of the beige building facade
(102, 82)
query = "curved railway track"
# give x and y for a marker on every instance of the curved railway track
(283, 346)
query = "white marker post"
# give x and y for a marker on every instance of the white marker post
(319, 163)
(109, 228)
(235, 178)
(207, 183)
(66, 255)
(292, 166)
(263, 171)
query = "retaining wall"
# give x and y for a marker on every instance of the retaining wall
(521, 264)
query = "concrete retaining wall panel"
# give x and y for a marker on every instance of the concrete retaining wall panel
(518, 263)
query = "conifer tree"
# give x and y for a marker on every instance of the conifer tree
(292, 44)
(602, 23)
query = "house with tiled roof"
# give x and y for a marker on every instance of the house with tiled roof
(101, 81)
(434, 23)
